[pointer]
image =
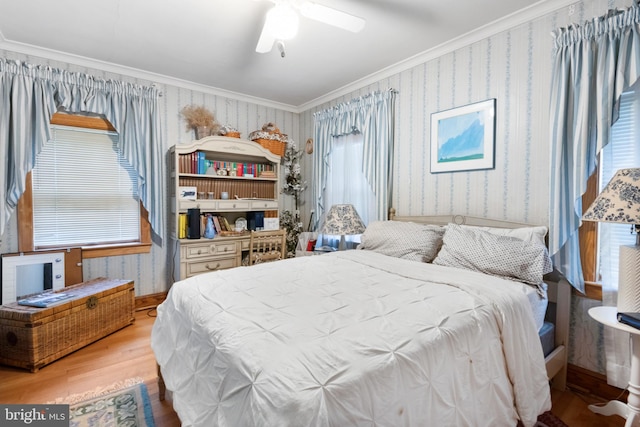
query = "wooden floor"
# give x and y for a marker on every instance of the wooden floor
(127, 354)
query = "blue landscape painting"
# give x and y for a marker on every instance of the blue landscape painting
(461, 137)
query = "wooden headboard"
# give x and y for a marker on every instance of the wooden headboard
(559, 291)
(457, 219)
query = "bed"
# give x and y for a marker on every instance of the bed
(359, 337)
(554, 330)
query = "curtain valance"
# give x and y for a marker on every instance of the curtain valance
(31, 94)
(373, 116)
(594, 63)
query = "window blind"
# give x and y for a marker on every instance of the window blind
(84, 193)
(621, 152)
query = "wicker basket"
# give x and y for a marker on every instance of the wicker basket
(33, 337)
(233, 134)
(270, 138)
(276, 147)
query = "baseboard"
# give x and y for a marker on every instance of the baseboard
(144, 302)
(593, 383)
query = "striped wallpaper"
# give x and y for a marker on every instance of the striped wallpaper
(152, 272)
(512, 66)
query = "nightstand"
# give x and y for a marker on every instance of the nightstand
(631, 410)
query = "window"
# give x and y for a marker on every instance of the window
(599, 241)
(622, 152)
(346, 182)
(83, 194)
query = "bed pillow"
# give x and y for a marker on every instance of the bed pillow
(529, 234)
(408, 240)
(504, 256)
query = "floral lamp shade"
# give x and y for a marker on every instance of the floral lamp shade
(619, 201)
(341, 220)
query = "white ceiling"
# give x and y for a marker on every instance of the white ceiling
(212, 42)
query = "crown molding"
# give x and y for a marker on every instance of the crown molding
(530, 13)
(54, 55)
(522, 16)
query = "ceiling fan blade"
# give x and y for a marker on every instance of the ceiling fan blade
(265, 43)
(331, 16)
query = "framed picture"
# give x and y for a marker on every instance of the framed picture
(463, 138)
(187, 193)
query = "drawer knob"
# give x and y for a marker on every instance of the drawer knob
(212, 268)
(225, 249)
(199, 251)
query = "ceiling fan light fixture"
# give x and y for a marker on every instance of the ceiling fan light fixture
(332, 16)
(282, 21)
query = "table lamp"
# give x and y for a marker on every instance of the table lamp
(619, 202)
(342, 220)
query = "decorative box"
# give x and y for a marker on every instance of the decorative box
(32, 337)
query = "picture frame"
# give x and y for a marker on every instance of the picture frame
(463, 138)
(187, 193)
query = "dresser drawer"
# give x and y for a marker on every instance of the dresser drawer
(203, 205)
(257, 205)
(206, 250)
(199, 267)
(233, 205)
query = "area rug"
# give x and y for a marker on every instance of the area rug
(123, 404)
(548, 420)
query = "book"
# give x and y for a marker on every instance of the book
(221, 222)
(201, 162)
(630, 318)
(227, 226)
(182, 226)
(216, 224)
(46, 299)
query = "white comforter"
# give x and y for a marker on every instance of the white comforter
(350, 339)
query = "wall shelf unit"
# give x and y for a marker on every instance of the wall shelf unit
(209, 167)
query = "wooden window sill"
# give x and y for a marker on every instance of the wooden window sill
(592, 290)
(115, 250)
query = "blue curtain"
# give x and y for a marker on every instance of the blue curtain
(594, 63)
(373, 116)
(30, 95)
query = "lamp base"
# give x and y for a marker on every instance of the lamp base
(343, 243)
(629, 279)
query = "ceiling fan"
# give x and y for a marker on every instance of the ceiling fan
(281, 22)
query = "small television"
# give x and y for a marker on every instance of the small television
(32, 273)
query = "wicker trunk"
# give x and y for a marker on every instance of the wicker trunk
(33, 337)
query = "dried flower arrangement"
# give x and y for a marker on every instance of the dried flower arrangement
(198, 116)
